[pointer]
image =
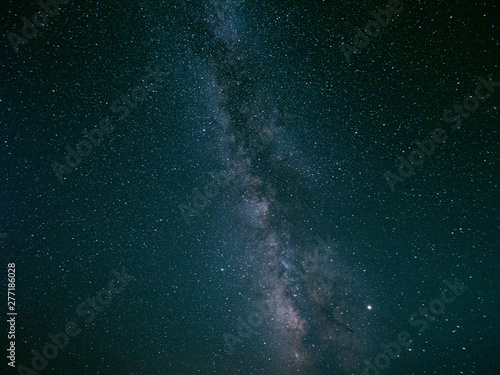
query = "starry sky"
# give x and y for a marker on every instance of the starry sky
(251, 187)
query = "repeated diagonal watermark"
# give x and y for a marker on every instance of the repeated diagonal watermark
(39, 20)
(88, 311)
(381, 18)
(426, 148)
(257, 315)
(203, 196)
(419, 321)
(93, 138)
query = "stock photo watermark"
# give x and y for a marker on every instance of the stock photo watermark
(39, 20)
(371, 30)
(11, 308)
(425, 148)
(259, 314)
(420, 321)
(95, 136)
(199, 200)
(88, 310)
(254, 319)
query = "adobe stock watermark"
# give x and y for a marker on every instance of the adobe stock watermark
(254, 319)
(200, 201)
(372, 29)
(39, 19)
(95, 136)
(87, 310)
(259, 314)
(201, 198)
(420, 321)
(425, 148)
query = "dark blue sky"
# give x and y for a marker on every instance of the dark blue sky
(237, 172)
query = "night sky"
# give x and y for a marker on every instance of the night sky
(250, 187)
